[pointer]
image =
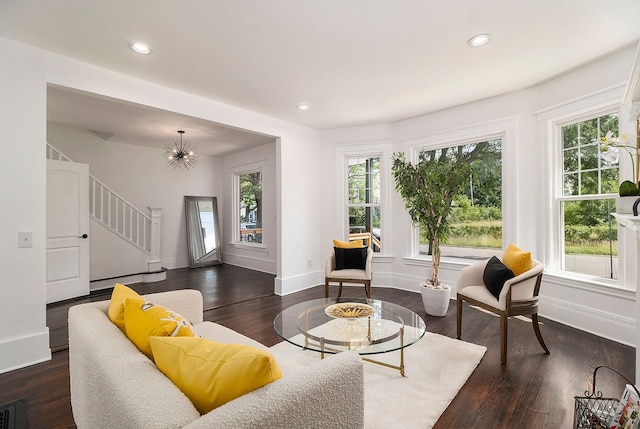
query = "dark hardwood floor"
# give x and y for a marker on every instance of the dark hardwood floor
(533, 390)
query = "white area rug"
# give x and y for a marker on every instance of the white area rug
(436, 368)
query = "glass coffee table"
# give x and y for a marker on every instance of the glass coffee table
(367, 326)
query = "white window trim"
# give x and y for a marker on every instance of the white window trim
(235, 216)
(550, 121)
(383, 150)
(558, 189)
(506, 130)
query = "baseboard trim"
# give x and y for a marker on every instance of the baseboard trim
(298, 283)
(156, 276)
(259, 264)
(109, 282)
(25, 351)
(588, 319)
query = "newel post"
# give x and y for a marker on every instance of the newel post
(155, 264)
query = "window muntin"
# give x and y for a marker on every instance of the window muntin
(364, 202)
(249, 187)
(585, 172)
(476, 222)
(588, 241)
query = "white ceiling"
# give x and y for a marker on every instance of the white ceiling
(124, 122)
(355, 62)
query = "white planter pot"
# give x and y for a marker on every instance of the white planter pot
(435, 301)
(624, 205)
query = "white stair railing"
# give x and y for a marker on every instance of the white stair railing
(118, 215)
(55, 154)
(114, 212)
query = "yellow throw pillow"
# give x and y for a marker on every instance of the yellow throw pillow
(211, 374)
(517, 260)
(348, 244)
(146, 319)
(116, 306)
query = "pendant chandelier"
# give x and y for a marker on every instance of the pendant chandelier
(181, 154)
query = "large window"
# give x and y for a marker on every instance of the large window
(476, 230)
(249, 191)
(589, 187)
(364, 200)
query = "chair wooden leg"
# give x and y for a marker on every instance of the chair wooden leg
(326, 289)
(340, 290)
(367, 289)
(536, 329)
(459, 318)
(503, 338)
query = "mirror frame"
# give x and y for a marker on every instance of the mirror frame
(194, 237)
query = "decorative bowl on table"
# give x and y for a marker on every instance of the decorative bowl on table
(349, 310)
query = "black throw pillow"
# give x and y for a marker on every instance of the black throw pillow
(495, 274)
(350, 258)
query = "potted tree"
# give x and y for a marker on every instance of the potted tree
(428, 188)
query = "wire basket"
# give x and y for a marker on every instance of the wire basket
(592, 411)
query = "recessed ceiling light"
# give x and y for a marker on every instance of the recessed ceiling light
(479, 40)
(141, 48)
(303, 106)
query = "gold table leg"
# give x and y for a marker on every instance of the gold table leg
(388, 365)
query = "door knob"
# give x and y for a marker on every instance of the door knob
(83, 236)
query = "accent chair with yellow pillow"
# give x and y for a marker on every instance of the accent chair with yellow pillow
(350, 262)
(507, 287)
(115, 385)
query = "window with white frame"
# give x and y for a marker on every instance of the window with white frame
(248, 211)
(586, 197)
(476, 221)
(364, 202)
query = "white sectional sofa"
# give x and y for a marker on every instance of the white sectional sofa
(113, 385)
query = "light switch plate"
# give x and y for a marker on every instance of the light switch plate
(25, 239)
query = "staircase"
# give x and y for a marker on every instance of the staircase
(121, 218)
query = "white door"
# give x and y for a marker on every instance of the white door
(67, 230)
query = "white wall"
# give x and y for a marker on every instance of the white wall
(139, 174)
(579, 302)
(24, 337)
(303, 229)
(24, 76)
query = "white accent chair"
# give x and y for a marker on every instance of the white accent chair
(519, 297)
(331, 275)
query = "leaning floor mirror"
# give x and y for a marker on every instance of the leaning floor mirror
(203, 231)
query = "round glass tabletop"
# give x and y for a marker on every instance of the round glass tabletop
(333, 325)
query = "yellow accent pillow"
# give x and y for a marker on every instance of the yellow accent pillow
(116, 306)
(211, 374)
(348, 244)
(517, 260)
(146, 319)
